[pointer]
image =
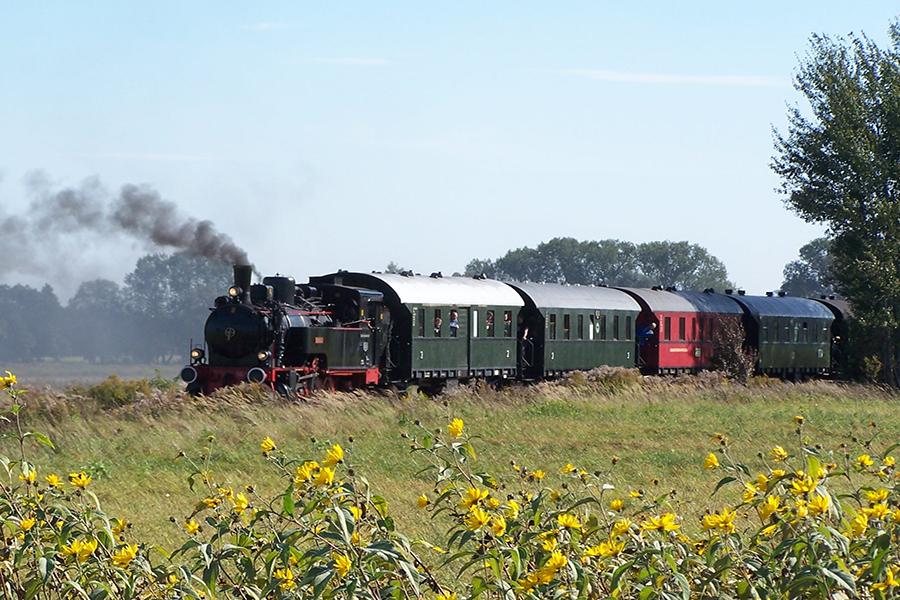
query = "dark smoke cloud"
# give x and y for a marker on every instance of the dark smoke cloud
(35, 243)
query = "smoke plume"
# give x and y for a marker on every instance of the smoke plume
(40, 242)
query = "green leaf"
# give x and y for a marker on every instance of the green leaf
(722, 482)
(43, 439)
(287, 501)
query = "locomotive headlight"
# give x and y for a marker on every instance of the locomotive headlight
(234, 291)
(263, 355)
(197, 354)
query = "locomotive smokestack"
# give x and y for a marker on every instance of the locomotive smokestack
(242, 276)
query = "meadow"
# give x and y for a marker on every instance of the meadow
(657, 431)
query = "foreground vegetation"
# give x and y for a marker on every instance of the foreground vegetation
(581, 488)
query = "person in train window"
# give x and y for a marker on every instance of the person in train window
(454, 323)
(437, 326)
(507, 323)
(645, 333)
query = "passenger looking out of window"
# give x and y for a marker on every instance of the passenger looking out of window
(489, 323)
(645, 333)
(437, 323)
(454, 323)
(507, 323)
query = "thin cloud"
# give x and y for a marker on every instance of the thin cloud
(676, 79)
(150, 156)
(265, 26)
(350, 61)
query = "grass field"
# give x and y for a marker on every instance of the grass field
(65, 372)
(661, 429)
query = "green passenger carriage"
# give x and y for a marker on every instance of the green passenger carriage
(574, 327)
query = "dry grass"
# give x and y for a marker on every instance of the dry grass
(660, 428)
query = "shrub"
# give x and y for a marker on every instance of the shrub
(783, 530)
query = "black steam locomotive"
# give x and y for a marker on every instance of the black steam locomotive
(295, 339)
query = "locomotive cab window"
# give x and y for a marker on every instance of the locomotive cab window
(507, 323)
(552, 323)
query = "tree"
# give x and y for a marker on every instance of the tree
(99, 322)
(841, 166)
(393, 267)
(682, 265)
(608, 262)
(31, 324)
(811, 274)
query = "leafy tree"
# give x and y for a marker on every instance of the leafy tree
(811, 274)
(393, 267)
(101, 325)
(609, 262)
(840, 166)
(31, 324)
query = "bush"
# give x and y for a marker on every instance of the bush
(809, 523)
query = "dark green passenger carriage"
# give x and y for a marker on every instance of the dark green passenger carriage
(444, 328)
(792, 336)
(574, 327)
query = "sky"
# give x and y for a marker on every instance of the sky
(346, 135)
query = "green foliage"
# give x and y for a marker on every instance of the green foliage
(811, 274)
(729, 354)
(610, 262)
(841, 165)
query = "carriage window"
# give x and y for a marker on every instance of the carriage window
(693, 329)
(711, 329)
(796, 332)
(765, 334)
(804, 334)
(579, 332)
(507, 323)
(591, 328)
(474, 322)
(701, 329)
(603, 327)
(489, 323)
(627, 328)
(420, 315)
(787, 332)
(668, 328)
(615, 331)
(567, 327)
(552, 327)
(681, 328)
(438, 322)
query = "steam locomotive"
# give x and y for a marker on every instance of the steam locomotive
(353, 330)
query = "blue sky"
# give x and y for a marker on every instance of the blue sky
(346, 135)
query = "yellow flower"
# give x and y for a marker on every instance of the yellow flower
(476, 519)
(512, 509)
(240, 503)
(53, 480)
(770, 530)
(664, 522)
(285, 578)
(802, 486)
(80, 479)
(888, 461)
(455, 428)
(762, 482)
(568, 468)
(356, 512)
(890, 579)
(211, 502)
(325, 476)
(635, 494)
(876, 496)
(8, 381)
(617, 505)
(769, 506)
(621, 527)
(606, 549)
(29, 476)
(498, 525)
(537, 475)
(548, 540)
(818, 505)
(801, 509)
(267, 445)
(568, 521)
(776, 473)
(778, 454)
(798, 419)
(473, 496)
(123, 557)
(342, 564)
(858, 525)
(493, 503)
(711, 461)
(80, 549)
(423, 501)
(556, 561)
(334, 456)
(749, 492)
(723, 521)
(192, 527)
(305, 472)
(864, 461)
(447, 596)
(120, 526)
(26, 524)
(877, 511)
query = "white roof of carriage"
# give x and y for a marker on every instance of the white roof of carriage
(459, 291)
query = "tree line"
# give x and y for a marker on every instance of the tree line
(148, 318)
